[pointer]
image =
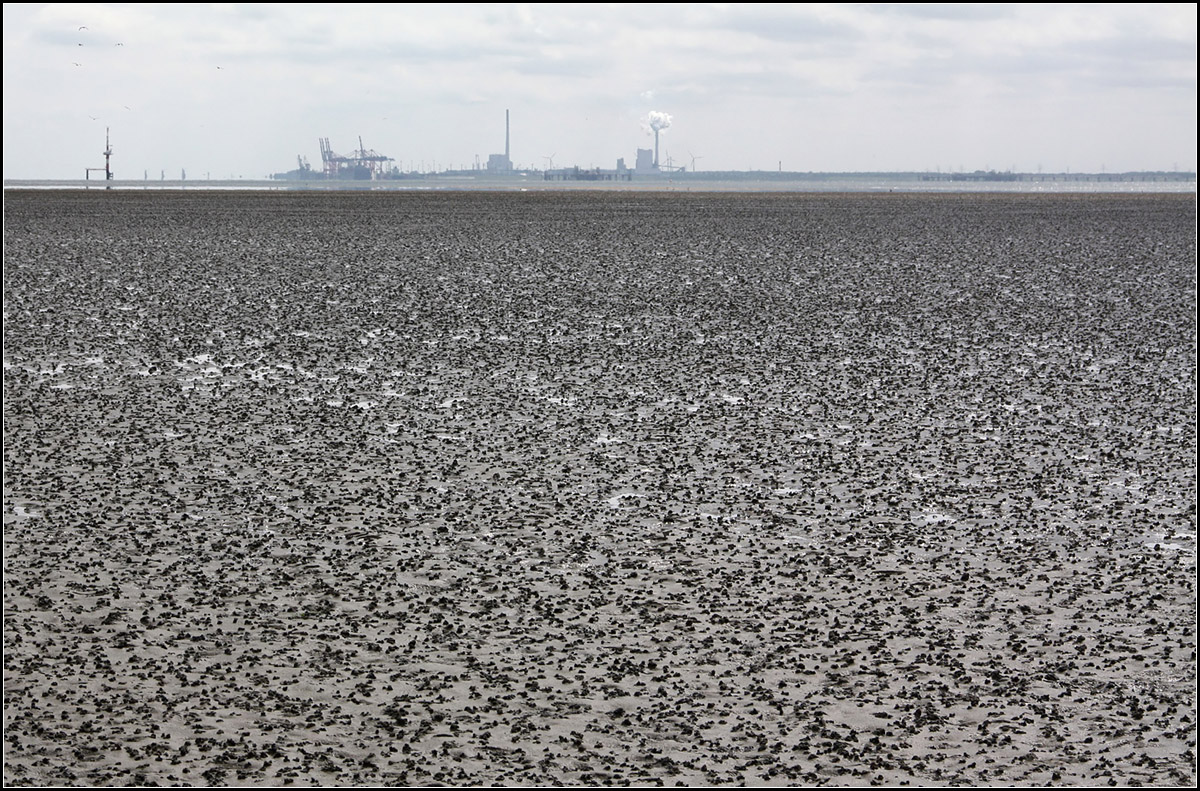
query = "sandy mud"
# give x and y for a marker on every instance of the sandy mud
(599, 489)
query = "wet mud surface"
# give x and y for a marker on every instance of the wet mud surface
(599, 489)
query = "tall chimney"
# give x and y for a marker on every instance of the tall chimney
(506, 159)
(656, 147)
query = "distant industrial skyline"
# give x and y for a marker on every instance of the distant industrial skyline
(241, 90)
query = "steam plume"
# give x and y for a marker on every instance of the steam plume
(658, 121)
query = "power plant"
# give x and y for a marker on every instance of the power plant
(369, 165)
(501, 163)
(365, 164)
(658, 122)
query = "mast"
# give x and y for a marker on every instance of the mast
(107, 153)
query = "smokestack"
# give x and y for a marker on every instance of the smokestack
(657, 121)
(506, 157)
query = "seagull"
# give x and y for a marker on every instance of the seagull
(83, 27)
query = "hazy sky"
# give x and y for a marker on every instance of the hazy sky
(241, 89)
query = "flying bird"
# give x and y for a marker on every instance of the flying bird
(83, 27)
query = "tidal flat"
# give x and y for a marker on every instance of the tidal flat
(603, 488)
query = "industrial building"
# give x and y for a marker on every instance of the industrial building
(364, 164)
(646, 162)
(501, 163)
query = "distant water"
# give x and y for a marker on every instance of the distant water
(769, 182)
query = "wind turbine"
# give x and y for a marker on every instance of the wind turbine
(694, 158)
(550, 159)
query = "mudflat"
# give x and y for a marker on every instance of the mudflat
(599, 489)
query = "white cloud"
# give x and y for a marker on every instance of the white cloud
(243, 88)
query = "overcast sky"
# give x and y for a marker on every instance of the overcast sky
(241, 89)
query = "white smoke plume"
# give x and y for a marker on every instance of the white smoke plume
(658, 121)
